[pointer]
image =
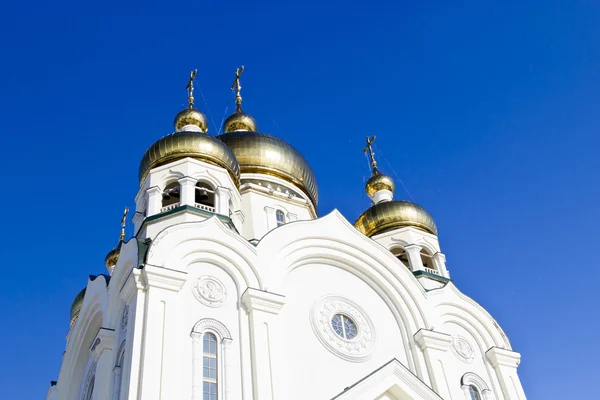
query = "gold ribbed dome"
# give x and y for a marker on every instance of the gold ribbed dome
(76, 306)
(112, 257)
(191, 116)
(394, 214)
(239, 121)
(265, 154)
(197, 145)
(379, 182)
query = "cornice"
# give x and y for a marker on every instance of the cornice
(163, 278)
(427, 339)
(503, 357)
(258, 300)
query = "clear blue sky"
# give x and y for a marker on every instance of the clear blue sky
(487, 111)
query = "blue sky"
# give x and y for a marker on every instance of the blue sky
(487, 112)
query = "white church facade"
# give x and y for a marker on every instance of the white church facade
(232, 288)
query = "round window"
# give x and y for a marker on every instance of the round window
(344, 326)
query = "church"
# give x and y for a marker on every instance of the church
(233, 288)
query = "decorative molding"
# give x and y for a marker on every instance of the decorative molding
(104, 340)
(462, 349)
(357, 349)
(503, 357)
(258, 300)
(125, 318)
(89, 381)
(209, 291)
(213, 325)
(427, 340)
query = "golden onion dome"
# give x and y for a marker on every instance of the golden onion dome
(239, 121)
(193, 144)
(378, 182)
(112, 257)
(394, 214)
(76, 306)
(266, 154)
(191, 116)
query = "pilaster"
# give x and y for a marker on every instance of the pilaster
(188, 190)
(439, 260)
(434, 346)
(223, 195)
(263, 308)
(102, 352)
(505, 363)
(414, 257)
(161, 286)
(154, 201)
(271, 220)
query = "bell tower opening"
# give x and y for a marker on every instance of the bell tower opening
(401, 255)
(204, 197)
(171, 196)
(427, 261)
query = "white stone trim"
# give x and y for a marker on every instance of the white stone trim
(472, 379)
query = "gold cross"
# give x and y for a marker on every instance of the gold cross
(123, 222)
(190, 88)
(371, 153)
(236, 84)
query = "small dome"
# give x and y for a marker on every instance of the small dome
(112, 257)
(197, 145)
(379, 182)
(261, 153)
(239, 121)
(394, 214)
(191, 116)
(76, 306)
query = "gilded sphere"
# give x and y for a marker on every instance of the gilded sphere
(196, 145)
(394, 214)
(76, 306)
(239, 121)
(112, 257)
(191, 116)
(379, 182)
(261, 153)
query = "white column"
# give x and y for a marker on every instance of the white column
(188, 191)
(102, 351)
(439, 260)
(227, 370)
(162, 285)
(434, 346)
(505, 363)
(154, 200)
(135, 297)
(271, 219)
(117, 371)
(238, 220)
(414, 257)
(262, 308)
(197, 372)
(223, 195)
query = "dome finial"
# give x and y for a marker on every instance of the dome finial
(113, 256)
(239, 121)
(123, 223)
(379, 187)
(369, 147)
(236, 85)
(190, 88)
(190, 119)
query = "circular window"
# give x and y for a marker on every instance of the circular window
(344, 326)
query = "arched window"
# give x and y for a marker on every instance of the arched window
(204, 197)
(209, 367)
(401, 255)
(427, 261)
(171, 196)
(474, 393)
(210, 341)
(280, 217)
(475, 387)
(118, 372)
